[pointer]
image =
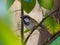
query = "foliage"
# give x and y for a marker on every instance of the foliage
(27, 30)
(6, 32)
(48, 4)
(9, 3)
(28, 6)
(8, 38)
(52, 25)
(56, 41)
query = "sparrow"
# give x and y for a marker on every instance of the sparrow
(30, 23)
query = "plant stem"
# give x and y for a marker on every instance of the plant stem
(40, 24)
(22, 26)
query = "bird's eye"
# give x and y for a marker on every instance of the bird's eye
(26, 21)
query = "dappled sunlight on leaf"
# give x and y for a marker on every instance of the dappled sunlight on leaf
(52, 26)
(48, 4)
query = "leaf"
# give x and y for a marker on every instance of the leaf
(48, 4)
(56, 41)
(1, 41)
(28, 5)
(9, 3)
(27, 30)
(52, 26)
(7, 35)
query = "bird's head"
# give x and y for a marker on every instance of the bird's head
(26, 19)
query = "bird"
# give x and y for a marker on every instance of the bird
(30, 23)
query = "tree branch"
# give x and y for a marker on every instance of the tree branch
(22, 26)
(40, 24)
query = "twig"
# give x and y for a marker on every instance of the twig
(40, 24)
(22, 26)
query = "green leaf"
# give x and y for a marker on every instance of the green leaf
(7, 35)
(48, 4)
(9, 3)
(9, 38)
(52, 26)
(28, 5)
(27, 30)
(56, 41)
